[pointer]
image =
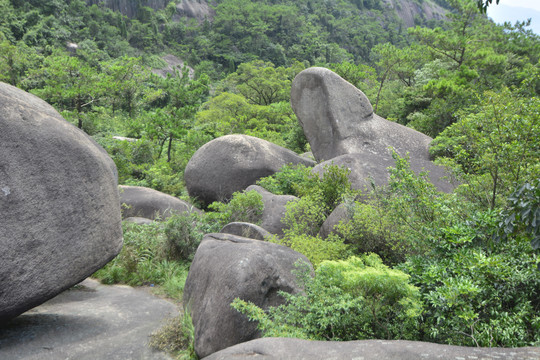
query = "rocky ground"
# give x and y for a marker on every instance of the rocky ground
(90, 321)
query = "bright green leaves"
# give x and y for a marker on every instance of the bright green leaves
(495, 144)
(358, 298)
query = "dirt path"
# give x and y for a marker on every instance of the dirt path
(91, 321)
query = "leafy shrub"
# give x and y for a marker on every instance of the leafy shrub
(370, 230)
(289, 180)
(479, 295)
(177, 337)
(300, 181)
(182, 239)
(142, 262)
(315, 248)
(359, 298)
(244, 206)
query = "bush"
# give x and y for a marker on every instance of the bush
(370, 230)
(243, 207)
(315, 248)
(182, 238)
(143, 262)
(479, 296)
(177, 337)
(359, 298)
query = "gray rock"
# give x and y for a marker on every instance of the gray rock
(59, 203)
(88, 322)
(296, 349)
(233, 162)
(139, 220)
(340, 213)
(226, 267)
(366, 166)
(247, 230)
(338, 119)
(138, 201)
(274, 209)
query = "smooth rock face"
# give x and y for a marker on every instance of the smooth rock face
(366, 166)
(287, 348)
(233, 162)
(89, 322)
(274, 209)
(59, 203)
(245, 229)
(138, 201)
(340, 213)
(139, 220)
(338, 119)
(226, 267)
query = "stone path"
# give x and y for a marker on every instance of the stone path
(91, 321)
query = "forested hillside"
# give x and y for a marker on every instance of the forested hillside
(470, 84)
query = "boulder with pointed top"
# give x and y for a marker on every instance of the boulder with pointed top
(338, 119)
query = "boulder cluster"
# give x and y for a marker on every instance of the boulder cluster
(59, 200)
(342, 129)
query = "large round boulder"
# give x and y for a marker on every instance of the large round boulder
(274, 209)
(226, 267)
(138, 201)
(59, 203)
(233, 162)
(338, 119)
(297, 349)
(366, 167)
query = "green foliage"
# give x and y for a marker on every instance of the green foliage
(142, 261)
(522, 214)
(289, 180)
(177, 337)
(496, 145)
(358, 298)
(479, 296)
(314, 247)
(371, 230)
(243, 207)
(182, 238)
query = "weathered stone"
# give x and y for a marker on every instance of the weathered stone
(226, 267)
(246, 230)
(139, 220)
(138, 201)
(366, 167)
(338, 119)
(340, 213)
(288, 348)
(59, 203)
(233, 162)
(274, 209)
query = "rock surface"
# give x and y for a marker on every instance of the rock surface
(233, 162)
(284, 348)
(226, 267)
(139, 220)
(366, 166)
(247, 230)
(338, 119)
(340, 213)
(89, 322)
(59, 203)
(138, 201)
(274, 209)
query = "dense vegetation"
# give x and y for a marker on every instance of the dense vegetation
(462, 267)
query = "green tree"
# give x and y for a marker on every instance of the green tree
(66, 82)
